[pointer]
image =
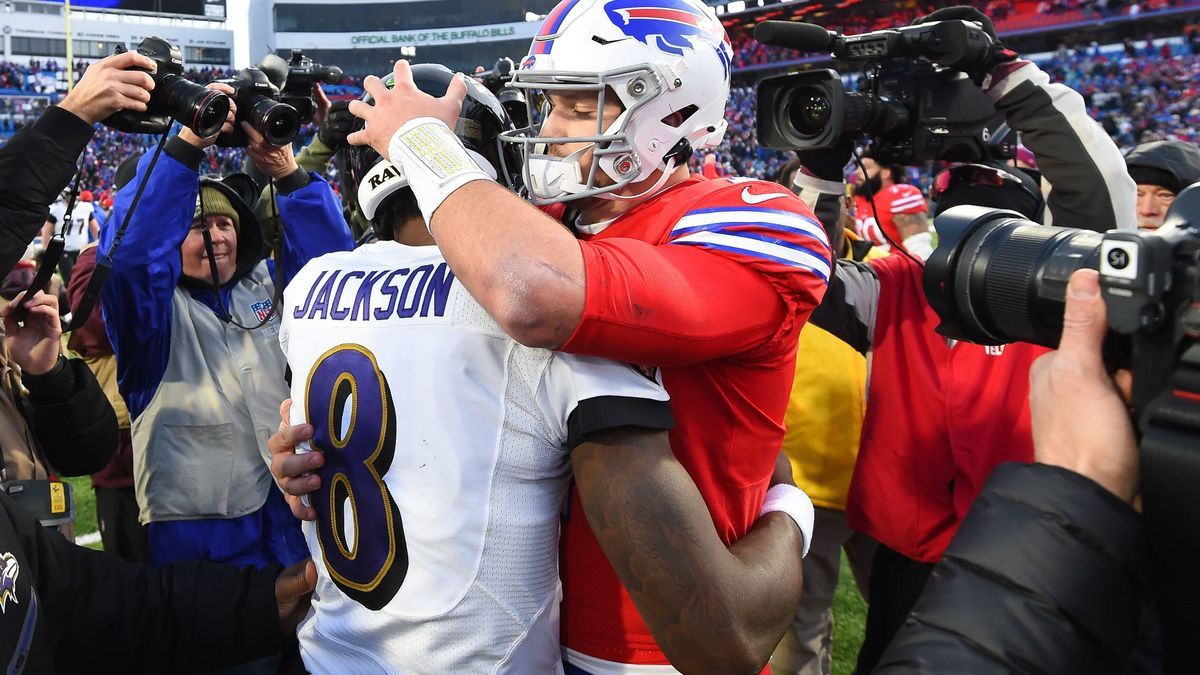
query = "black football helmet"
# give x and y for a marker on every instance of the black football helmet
(371, 179)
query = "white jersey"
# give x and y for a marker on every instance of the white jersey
(76, 232)
(446, 466)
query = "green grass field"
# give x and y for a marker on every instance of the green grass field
(849, 610)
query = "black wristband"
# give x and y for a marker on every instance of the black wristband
(185, 153)
(292, 182)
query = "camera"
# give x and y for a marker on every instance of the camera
(302, 74)
(258, 103)
(174, 97)
(914, 100)
(496, 81)
(996, 277)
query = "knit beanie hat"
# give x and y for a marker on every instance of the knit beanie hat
(216, 204)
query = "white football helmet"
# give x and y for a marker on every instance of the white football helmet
(659, 56)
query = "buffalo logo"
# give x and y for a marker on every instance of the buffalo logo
(9, 569)
(528, 62)
(261, 310)
(670, 26)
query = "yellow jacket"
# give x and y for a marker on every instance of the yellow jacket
(825, 414)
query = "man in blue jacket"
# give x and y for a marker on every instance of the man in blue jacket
(200, 368)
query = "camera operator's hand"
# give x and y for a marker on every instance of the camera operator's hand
(323, 104)
(276, 161)
(828, 164)
(34, 344)
(1080, 421)
(109, 86)
(292, 470)
(999, 55)
(198, 142)
(400, 105)
(337, 126)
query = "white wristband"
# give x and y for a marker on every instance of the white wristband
(434, 161)
(792, 501)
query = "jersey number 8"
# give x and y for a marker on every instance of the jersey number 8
(359, 529)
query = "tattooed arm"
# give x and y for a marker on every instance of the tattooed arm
(712, 609)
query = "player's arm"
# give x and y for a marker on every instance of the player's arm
(93, 228)
(710, 608)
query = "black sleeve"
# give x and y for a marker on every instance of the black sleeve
(1091, 187)
(35, 166)
(602, 413)
(1047, 574)
(99, 611)
(74, 423)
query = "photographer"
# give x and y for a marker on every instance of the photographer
(189, 311)
(1053, 549)
(941, 416)
(38, 162)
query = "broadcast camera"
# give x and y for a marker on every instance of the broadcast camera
(996, 277)
(302, 74)
(174, 97)
(258, 103)
(915, 101)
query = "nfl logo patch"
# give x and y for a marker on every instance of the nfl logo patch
(261, 310)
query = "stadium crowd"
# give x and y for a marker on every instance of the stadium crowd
(368, 364)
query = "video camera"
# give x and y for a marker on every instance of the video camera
(915, 101)
(174, 97)
(996, 277)
(302, 74)
(258, 103)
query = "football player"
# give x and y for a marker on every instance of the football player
(446, 448)
(708, 281)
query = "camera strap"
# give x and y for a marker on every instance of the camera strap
(1170, 491)
(52, 255)
(91, 294)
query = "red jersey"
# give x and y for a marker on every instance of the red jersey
(709, 281)
(898, 198)
(939, 419)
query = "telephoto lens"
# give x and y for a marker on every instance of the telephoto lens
(997, 277)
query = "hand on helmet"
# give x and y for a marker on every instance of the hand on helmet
(400, 105)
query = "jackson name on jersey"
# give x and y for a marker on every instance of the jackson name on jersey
(447, 447)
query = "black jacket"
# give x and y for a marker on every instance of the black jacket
(66, 609)
(72, 420)
(35, 166)
(1047, 574)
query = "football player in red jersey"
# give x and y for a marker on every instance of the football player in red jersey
(707, 280)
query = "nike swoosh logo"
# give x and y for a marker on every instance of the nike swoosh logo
(751, 198)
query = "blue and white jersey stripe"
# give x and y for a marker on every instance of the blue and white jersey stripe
(768, 234)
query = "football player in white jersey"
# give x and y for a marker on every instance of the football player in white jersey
(444, 448)
(81, 229)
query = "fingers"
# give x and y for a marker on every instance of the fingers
(457, 91)
(128, 60)
(296, 581)
(288, 437)
(134, 77)
(297, 466)
(221, 87)
(319, 94)
(299, 510)
(12, 305)
(133, 92)
(1124, 381)
(255, 138)
(1084, 324)
(402, 75)
(375, 86)
(285, 413)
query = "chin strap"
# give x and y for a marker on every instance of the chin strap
(658, 185)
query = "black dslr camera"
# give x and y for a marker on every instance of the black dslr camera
(496, 81)
(258, 103)
(996, 277)
(915, 101)
(197, 108)
(302, 74)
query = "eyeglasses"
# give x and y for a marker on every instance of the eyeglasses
(965, 175)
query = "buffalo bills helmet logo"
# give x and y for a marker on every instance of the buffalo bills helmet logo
(670, 26)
